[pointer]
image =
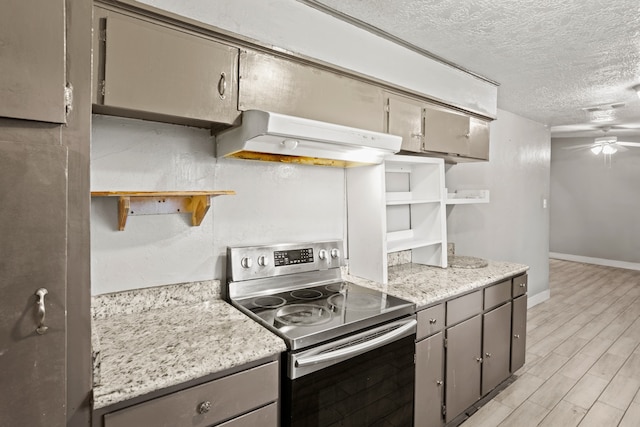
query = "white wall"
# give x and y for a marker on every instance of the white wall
(274, 203)
(514, 226)
(296, 27)
(595, 205)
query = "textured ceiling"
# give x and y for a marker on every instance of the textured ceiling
(551, 58)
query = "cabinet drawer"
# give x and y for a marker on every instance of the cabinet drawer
(228, 397)
(430, 321)
(520, 285)
(264, 417)
(495, 295)
(464, 307)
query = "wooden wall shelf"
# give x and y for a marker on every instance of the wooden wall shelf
(132, 203)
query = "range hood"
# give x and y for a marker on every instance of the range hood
(277, 137)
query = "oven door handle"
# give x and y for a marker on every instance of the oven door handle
(357, 348)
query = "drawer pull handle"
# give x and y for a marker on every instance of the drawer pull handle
(517, 336)
(439, 382)
(222, 86)
(204, 407)
(40, 293)
(433, 321)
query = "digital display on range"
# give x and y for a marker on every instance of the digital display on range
(296, 256)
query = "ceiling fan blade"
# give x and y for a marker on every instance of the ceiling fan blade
(619, 147)
(628, 144)
(576, 147)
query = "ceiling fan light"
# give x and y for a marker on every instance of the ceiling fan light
(609, 149)
(637, 89)
(596, 149)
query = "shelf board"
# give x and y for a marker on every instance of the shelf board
(467, 197)
(131, 203)
(401, 244)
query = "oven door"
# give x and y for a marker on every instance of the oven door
(366, 379)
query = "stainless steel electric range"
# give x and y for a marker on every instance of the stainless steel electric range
(350, 358)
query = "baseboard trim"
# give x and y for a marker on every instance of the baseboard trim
(596, 261)
(538, 298)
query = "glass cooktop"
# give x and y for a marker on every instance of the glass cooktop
(311, 315)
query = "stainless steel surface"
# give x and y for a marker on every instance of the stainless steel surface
(319, 357)
(41, 328)
(296, 291)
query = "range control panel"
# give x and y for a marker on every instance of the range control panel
(253, 262)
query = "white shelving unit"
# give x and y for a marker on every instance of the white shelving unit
(396, 206)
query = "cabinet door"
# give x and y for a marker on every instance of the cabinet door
(478, 139)
(276, 84)
(154, 69)
(446, 131)
(463, 361)
(33, 247)
(32, 60)
(519, 333)
(496, 346)
(404, 118)
(429, 382)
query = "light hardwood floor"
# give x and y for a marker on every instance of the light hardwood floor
(583, 355)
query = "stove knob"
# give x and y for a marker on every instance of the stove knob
(263, 261)
(335, 253)
(246, 262)
(322, 254)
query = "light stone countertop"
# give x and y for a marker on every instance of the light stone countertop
(425, 285)
(150, 339)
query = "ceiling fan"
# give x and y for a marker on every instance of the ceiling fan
(606, 145)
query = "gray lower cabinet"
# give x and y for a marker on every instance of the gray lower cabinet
(519, 332)
(245, 399)
(147, 70)
(429, 381)
(496, 346)
(463, 366)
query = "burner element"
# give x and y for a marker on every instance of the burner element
(358, 302)
(336, 287)
(306, 294)
(269, 302)
(302, 315)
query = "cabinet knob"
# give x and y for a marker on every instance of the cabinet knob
(433, 321)
(522, 285)
(204, 407)
(416, 135)
(516, 336)
(439, 382)
(487, 354)
(479, 359)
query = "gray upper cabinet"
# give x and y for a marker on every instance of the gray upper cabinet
(455, 133)
(276, 84)
(150, 71)
(435, 130)
(404, 118)
(32, 60)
